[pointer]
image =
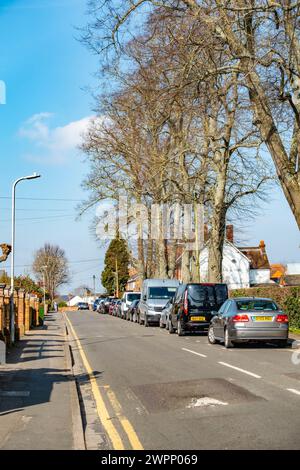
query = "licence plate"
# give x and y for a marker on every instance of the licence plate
(198, 319)
(263, 318)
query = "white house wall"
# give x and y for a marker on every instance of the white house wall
(235, 267)
(259, 276)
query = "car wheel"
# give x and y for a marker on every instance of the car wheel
(227, 342)
(180, 330)
(211, 335)
(171, 328)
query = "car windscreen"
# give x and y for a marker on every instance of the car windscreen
(132, 297)
(162, 292)
(256, 305)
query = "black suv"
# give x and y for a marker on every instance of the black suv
(194, 305)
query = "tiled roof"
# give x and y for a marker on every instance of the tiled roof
(257, 256)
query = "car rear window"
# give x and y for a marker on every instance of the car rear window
(207, 297)
(256, 305)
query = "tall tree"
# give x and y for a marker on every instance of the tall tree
(262, 38)
(115, 274)
(50, 264)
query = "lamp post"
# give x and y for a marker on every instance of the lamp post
(12, 273)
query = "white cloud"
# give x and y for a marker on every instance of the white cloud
(53, 145)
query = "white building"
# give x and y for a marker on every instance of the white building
(292, 268)
(77, 298)
(242, 267)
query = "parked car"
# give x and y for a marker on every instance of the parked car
(194, 306)
(83, 306)
(112, 306)
(127, 299)
(132, 313)
(95, 304)
(165, 315)
(100, 306)
(253, 319)
(155, 294)
(117, 308)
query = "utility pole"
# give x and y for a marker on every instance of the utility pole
(117, 279)
(44, 286)
(94, 284)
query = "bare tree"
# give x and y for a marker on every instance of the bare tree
(50, 261)
(263, 40)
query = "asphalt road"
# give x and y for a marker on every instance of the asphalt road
(161, 391)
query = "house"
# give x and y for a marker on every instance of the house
(292, 275)
(277, 272)
(243, 267)
(134, 282)
(260, 269)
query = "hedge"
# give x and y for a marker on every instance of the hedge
(287, 297)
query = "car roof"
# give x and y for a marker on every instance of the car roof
(161, 282)
(252, 298)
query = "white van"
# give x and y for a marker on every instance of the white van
(127, 299)
(155, 295)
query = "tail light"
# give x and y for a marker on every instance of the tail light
(240, 318)
(185, 304)
(282, 318)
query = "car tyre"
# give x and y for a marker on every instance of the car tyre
(227, 341)
(211, 335)
(180, 330)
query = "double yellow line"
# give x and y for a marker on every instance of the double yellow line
(102, 410)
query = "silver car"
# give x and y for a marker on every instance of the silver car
(245, 319)
(165, 315)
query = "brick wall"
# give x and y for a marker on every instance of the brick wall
(26, 312)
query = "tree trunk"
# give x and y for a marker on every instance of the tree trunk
(218, 228)
(171, 255)
(288, 177)
(185, 266)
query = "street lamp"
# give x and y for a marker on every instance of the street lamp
(12, 272)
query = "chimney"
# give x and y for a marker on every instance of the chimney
(229, 233)
(262, 247)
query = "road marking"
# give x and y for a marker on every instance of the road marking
(293, 390)
(193, 352)
(240, 370)
(101, 408)
(13, 393)
(132, 436)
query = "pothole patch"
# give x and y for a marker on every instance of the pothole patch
(205, 401)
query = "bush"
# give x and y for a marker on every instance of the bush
(62, 304)
(287, 297)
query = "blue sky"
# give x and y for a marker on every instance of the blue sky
(46, 71)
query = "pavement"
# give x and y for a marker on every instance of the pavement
(39, 407)
(149, 389)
